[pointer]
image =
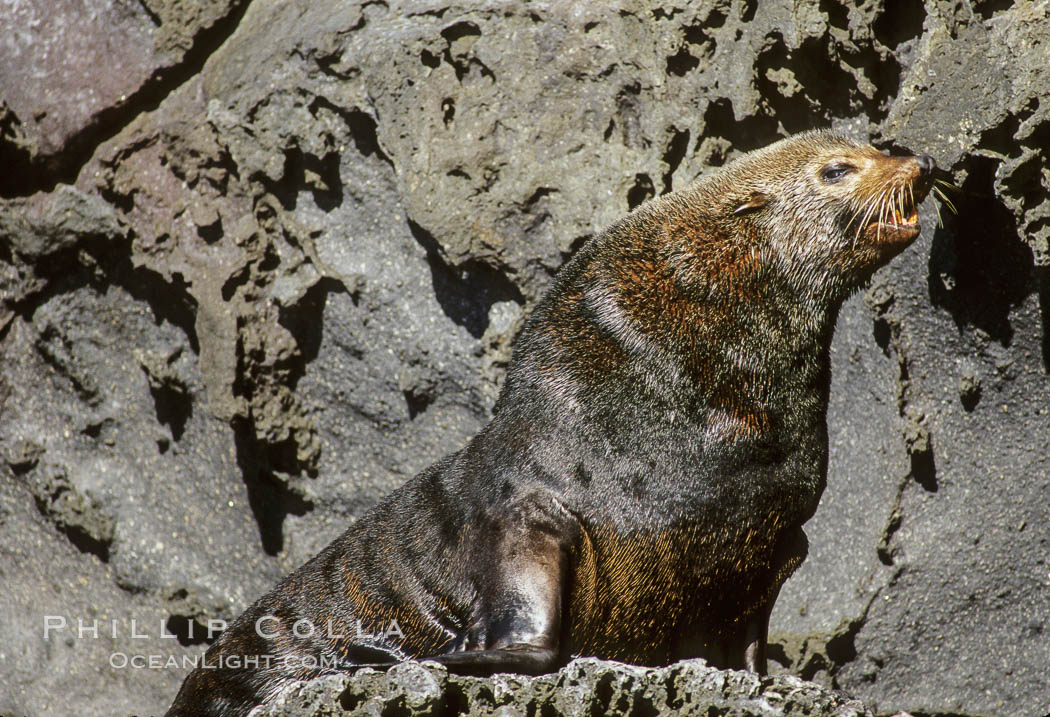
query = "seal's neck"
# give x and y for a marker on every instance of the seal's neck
(718, 326)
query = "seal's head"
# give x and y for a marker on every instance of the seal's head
(822, 207)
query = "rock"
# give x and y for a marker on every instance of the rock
(585, 686)
(75, 71)
(284, 273)
(67, 624)
(46, 236)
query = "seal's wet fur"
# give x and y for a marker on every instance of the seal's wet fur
(658, 444)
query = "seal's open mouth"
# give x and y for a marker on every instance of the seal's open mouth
(898, 218)
(890, 213)
(912, 220)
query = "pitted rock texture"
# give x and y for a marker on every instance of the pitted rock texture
(261, 262)
(585, 687)
(72, 71)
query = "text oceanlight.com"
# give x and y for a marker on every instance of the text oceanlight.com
(122, 660)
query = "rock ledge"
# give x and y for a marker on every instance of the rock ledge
(586, 686)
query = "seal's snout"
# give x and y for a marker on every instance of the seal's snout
(922, 183)
(926, 165)
(892, 212)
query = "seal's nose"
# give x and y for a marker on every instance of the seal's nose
(926, 164)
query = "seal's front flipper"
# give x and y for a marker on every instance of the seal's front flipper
(371, 656)
(518, 616)
(523, 659)
(755, 640)
(753, 647)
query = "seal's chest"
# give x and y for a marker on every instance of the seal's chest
(633, 596)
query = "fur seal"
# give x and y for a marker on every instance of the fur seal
(660, 440)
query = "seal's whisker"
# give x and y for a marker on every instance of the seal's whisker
(876, 208)
(864, 209)
(854, 217)
(944, 183)
(863, 206)
(885, 209)
(944, 198)
(860, 225)
(871, 205)
(891, 206)
(878, 219)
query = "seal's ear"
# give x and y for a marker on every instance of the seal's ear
(754, 202)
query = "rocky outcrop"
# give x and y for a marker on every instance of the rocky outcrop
(585, 687)
(262, 262)
(76, 72)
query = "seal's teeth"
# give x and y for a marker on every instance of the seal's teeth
(896, 218)
(910, 219)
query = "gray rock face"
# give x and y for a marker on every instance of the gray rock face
(72, 70)
(260, 263)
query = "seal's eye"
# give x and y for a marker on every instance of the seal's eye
(836, 171)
